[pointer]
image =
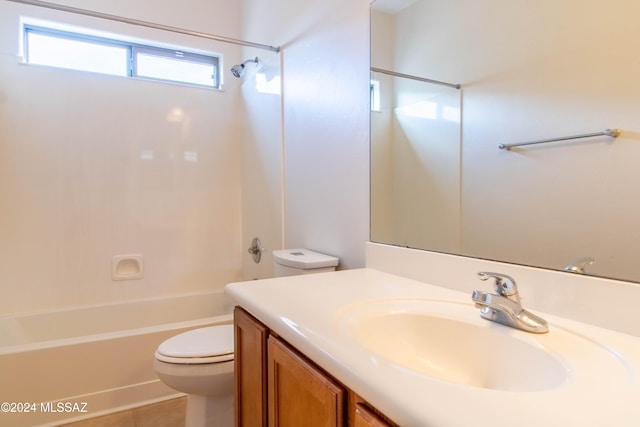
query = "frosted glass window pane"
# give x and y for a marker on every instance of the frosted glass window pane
(177, 70)
(85, 52)
(77, 54)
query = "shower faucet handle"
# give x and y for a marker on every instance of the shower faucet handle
(256, 250)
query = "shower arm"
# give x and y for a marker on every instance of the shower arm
(255, 60)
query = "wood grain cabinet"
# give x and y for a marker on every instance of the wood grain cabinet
(250, 370)
(299, 394)
(277, 386)
(366, 417)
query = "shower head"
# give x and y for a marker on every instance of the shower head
(238, 70)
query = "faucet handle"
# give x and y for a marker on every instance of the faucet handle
(579, 266)
(504, 285)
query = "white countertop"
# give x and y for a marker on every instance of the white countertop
(304, 310)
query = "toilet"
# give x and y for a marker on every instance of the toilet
(200, 362)
(293, 262)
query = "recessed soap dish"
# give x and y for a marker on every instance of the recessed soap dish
(127, 267)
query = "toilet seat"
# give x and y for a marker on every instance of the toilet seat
(213, 344)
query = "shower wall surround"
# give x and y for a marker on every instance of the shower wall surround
(94, 166)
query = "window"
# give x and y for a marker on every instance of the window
(171, 65)
(83, 52)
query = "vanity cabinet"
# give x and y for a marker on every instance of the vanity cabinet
(250, 338)
(276, 385)
(366, 417)
(299, 394)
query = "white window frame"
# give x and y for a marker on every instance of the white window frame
(133, 49)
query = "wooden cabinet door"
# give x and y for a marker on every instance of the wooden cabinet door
(364, 417)
(299, 393)
(250, 370)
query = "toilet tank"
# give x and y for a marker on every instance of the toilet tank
(292, 262)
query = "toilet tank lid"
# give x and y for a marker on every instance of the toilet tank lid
(304, 259)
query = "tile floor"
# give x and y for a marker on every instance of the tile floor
(169, 413)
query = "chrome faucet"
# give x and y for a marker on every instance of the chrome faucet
(505, 307)
(579, 266)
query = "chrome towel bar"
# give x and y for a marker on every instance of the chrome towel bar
(614, 133)
(411, 77)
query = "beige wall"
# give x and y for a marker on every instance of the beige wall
(538, 71)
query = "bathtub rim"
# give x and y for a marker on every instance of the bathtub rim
(225, 317)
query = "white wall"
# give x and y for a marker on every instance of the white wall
(325, 61)
(326, 132)
(93, 166)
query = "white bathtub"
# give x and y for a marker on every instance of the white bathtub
(86, 361)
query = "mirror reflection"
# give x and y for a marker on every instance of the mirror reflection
(439, 180)
(415, 152)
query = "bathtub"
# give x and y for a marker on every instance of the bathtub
(62, 365)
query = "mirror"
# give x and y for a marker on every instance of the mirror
(541, 71)
(415, 156)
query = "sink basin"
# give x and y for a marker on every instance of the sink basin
(461, 352)
(448, 341)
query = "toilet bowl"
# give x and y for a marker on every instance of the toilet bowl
(200, 363)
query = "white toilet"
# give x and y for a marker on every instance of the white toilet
(292, 262)
(200, 362)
